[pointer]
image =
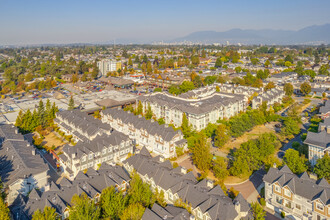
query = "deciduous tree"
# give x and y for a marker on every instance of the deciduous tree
(296, 163)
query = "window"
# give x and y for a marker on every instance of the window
(287, 204)
(104, 151)
(319, 206)
(90, 156)
(298, 206)
(278, 200)
(110, 150)
(287, 193)
(277, 188)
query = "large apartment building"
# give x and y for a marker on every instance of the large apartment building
(199, 111)
(58, 196)
(21, 167)
(318, 143)
(160, 139)
(205, 201)
(108, 65)
(299, 197)
(96, 143)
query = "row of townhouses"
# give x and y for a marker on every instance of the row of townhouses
(160, 139)
(97, 143)
(81, 126)
(299, 197)
(318, 143)
(271, 97)
(205, 201)
(169, 212)
(21, 167)
(200, 112)
(324, 111)
(58, 196)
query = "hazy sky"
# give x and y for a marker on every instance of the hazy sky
(74, 21)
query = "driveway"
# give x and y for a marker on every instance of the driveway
(248, 189)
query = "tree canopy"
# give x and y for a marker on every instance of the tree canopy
(296, 163)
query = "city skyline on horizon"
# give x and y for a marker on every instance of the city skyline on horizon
(39, 22)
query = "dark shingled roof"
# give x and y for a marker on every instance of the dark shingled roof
(152, 127)
(18, 158)
(193, 106)
(300, 185)
(198, 194)
(59, 196)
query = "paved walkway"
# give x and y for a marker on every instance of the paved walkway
(249, 188)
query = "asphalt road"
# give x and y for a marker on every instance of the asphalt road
(248, 189)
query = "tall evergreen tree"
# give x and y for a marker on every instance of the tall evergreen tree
(139, 110)
(35, 120)
(149, 112)
(26, 122)
(4, 211)
(185, 127)
(54, 110)
(71, 104)
(42, 114)
(19, 119)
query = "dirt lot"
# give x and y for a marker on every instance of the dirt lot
(253, 134)
(51, 139)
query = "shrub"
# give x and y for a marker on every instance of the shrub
(283, 214)
(262, 202)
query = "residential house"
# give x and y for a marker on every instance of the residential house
(97, 142)
(160, 139)
(169, 212)
(318, 143)
(298, 196)
(58, 196)
(324, 111)
(271, 97)
(22, 168)
(179, 186)
(165, 80)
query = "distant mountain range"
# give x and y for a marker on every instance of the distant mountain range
(316, 34)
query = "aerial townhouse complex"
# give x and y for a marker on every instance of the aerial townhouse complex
(58, 196)
(208, 104)
(299, 197)
(318, 143)
(22, 169)
(271, 96)
(205, 201)
(160, 139)
(97, 142)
